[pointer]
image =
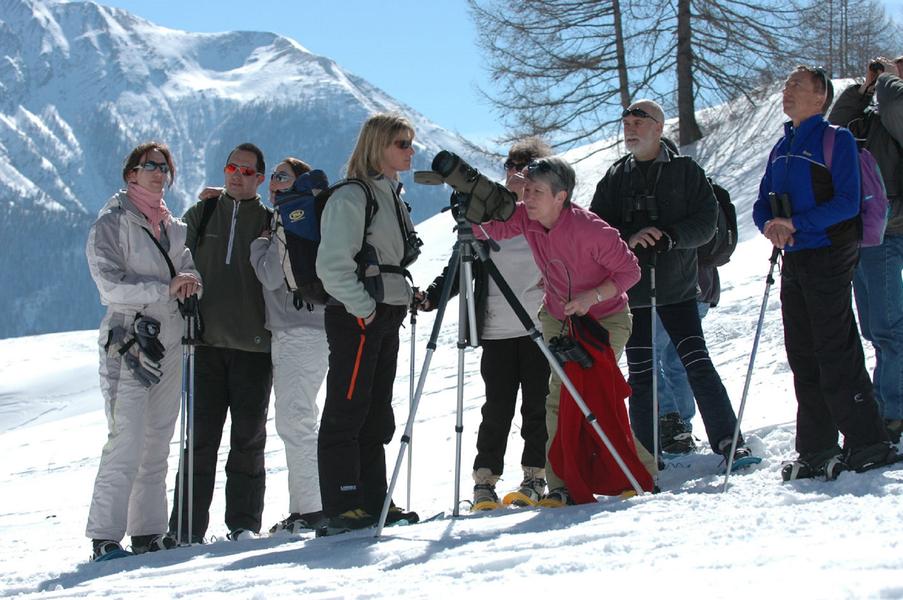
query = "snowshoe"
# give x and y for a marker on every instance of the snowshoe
(296, 523)
(356, 518)
(873, 456)
(484, 498)
(396, 516)
(556, 498)
(743, 456)
(152, 543)
(530, 491)
(108, 550)
(827, 463)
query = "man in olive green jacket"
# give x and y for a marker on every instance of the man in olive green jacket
(232, 365)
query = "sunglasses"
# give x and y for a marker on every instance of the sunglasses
(637, 112)
(822, 74)
(246, 171)
(511, 164)
(403, 144)
(280, 176)
(539, 167)
(151, 166)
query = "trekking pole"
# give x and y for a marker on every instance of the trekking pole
(189, 310)
(769, 281)
(411, 390)
(653, 317)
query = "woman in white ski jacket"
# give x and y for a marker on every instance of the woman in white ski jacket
(137, 256)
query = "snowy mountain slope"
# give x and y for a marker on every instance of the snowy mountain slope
(809, 539)
(81, 84)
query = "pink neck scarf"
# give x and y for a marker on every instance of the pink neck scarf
(151, 206)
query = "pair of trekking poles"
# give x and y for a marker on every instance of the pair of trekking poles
(769, 281)
(191, 314)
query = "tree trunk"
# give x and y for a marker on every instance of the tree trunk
(686, 104)
(621, 54)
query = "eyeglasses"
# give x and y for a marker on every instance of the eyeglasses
(280, 176)
(246, 171)
(512, 164)
(151, 166)
(637, 112)
(403, 144)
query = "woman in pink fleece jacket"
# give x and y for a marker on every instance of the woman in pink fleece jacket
(586, 268)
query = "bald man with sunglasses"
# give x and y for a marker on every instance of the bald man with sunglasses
(233, 372)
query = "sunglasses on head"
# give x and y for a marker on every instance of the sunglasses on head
(403, 144)
(151, 166)
(637, 112)
(822, 74)
(512, 164)
(246, 171)
(538, 167)
(280, 176)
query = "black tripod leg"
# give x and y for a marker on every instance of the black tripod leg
(450, 274)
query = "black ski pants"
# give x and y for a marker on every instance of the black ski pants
(236, 382)
(684, 327)
(506, 366)
(833, 389)
(357, 419)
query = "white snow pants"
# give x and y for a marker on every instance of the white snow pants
(130, 488)
(300, 360)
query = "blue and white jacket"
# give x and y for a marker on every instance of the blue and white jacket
(824, 203)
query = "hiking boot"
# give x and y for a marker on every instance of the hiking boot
(297, 523)
(356, 518)
(827, 463)
(894, 429)
(152, 543)
(675, 435)
(557, 498)
(743, 456)
(397, 515)
(531, 488)
(872, 456)
(104, 549)
(484, 497)
(240, 534)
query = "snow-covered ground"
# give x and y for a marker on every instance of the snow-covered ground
(763, 538)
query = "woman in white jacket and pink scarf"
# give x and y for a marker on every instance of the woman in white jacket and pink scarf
(137, 256)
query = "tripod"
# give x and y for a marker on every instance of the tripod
(465, 251)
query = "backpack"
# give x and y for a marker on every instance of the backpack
(717, 251)
(296, 228)
(874, 209)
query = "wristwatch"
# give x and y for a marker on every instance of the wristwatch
(598, 295)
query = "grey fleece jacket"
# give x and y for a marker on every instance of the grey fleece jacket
(281, 313)
(342, 231)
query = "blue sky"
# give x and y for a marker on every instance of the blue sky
(422, 52)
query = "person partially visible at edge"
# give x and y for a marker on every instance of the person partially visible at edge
(820, 241)
(299, 365)
(362, 323)
(511, 361)
(664, 208)
(873, 111)
(233, 374)
(586, 269)
(141, 388)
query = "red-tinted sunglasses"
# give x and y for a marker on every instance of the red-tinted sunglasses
(246, 171)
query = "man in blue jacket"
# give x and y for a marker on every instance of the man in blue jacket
(810, 212)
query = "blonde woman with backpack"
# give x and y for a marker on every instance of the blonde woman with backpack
(362, 322)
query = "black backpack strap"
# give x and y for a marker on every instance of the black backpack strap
(172, 268)
(209, 207)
